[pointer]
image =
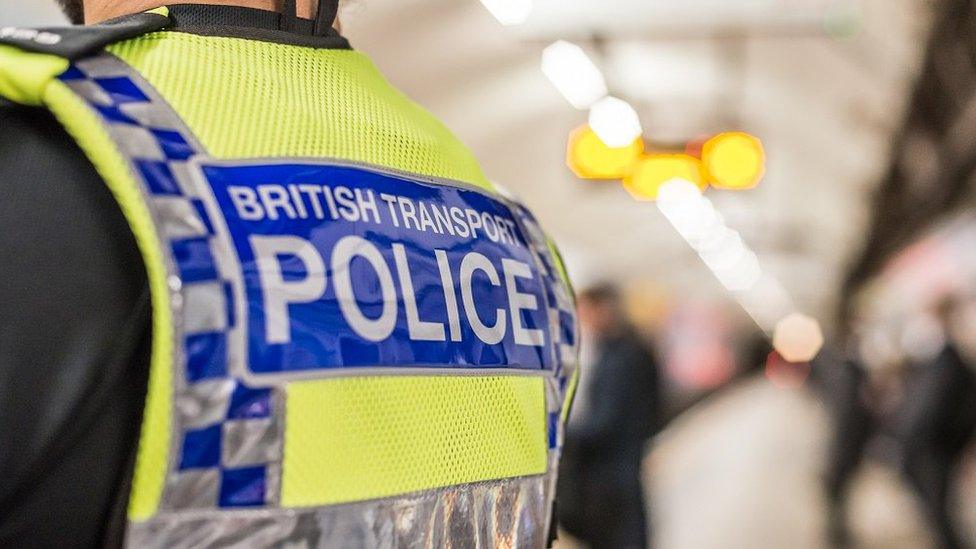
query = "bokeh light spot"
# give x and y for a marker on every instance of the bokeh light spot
(590, 158)
(798, 338)
(653, 171)
(734, 160)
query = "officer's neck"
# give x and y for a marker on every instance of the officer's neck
(97, 11)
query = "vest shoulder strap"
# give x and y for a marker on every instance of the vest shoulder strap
(76, 42)
(31, 58)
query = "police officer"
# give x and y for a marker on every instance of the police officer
(254, 296)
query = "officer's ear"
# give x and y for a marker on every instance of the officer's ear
(74, 9)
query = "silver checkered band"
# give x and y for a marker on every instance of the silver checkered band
(508, 513)
(251, 442)
(205, 308)
(205, 403)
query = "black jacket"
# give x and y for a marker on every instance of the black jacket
(939, 411)
(74, 328)
(622, 401)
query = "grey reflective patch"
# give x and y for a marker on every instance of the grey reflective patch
(90, 91)
(554, 323)
(205, 308)
(224, 257)
(250, 442)
(178, 217)
(151, 115)
(193, 489)
(506, 513)
(563, 299)
(567, 355)
(204, 403)
(103, 66)
(185, 178)
(553, 398)
(138, 143)
(272, 480)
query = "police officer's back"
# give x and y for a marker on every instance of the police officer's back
(256, 296)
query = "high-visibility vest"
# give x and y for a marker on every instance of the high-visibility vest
(358, 340)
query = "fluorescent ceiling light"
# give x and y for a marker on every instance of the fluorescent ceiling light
(574, 74)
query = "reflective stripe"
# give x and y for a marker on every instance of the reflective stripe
(508, 513)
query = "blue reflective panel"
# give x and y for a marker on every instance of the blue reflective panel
(243, 487)
(115, 115)
(201, 448)
(195, 260)
(567, 328)
(247, 403)
(158, 177)
(553, 429)
(172, 144)
(122, 89)
(72, 74)
(346, 267)
(206, 356)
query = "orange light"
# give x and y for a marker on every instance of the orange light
(734, 160)
(654, 170)
(590, 158)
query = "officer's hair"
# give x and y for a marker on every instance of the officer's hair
(74, 9)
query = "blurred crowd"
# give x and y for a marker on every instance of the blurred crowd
(912, 410)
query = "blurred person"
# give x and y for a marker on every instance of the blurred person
(843, 386)
(217, 212)
(935, 424)
(600, 496)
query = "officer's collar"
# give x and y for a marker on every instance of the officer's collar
(255, 24)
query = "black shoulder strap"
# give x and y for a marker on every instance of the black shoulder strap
(81, 41)
(325, 18)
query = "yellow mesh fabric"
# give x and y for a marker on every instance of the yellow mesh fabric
(369, 437)
(248, 99)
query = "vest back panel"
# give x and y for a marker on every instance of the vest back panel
(357, 339)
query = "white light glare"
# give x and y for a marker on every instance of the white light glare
(721, 248)
(678, 191)
(726, 256)
(509, 12)
(743, 275)
(683, 205)
(615, 122)
(574, 74)
(767, 302)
